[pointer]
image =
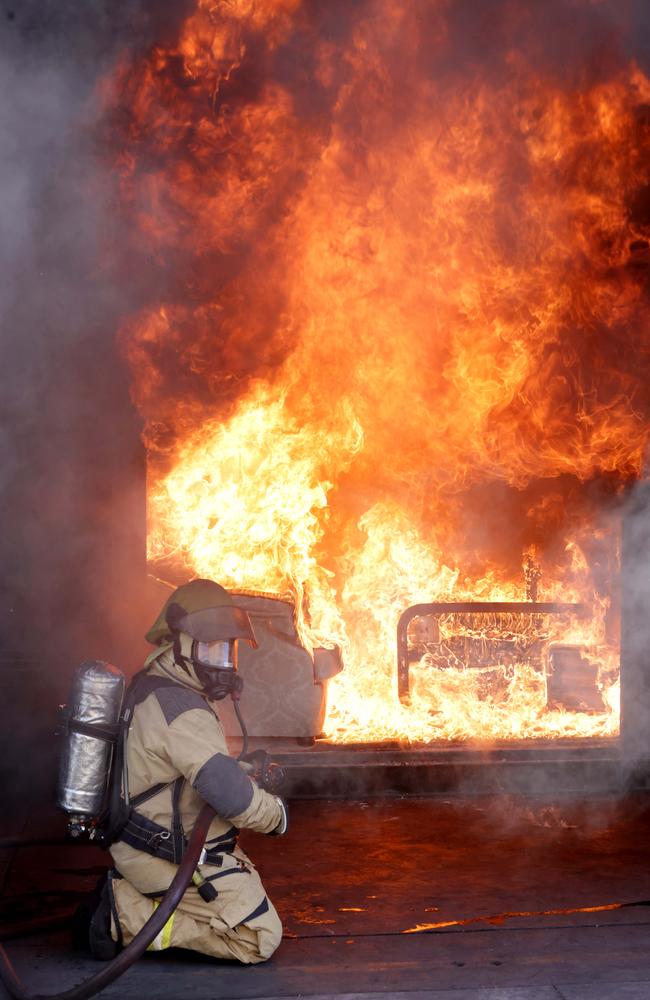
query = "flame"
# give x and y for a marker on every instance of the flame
(392, 357)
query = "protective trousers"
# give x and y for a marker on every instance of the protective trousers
(240, 923)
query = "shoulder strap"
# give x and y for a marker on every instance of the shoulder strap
(119, 805)
(142, 685)
(146, 684)
(149, 793)
(117, 809)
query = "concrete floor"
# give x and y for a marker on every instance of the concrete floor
(514, 899)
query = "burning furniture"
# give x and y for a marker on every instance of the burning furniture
(285, 688)
(494, 637)
(480, 634)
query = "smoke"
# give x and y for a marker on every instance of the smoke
(71, 463)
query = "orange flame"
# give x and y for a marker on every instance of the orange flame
(393, 352)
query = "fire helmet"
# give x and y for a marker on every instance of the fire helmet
(206, 611)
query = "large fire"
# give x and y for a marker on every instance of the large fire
(400, 349)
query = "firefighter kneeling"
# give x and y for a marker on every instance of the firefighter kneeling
(177, 759)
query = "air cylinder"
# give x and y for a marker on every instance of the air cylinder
(95, 698)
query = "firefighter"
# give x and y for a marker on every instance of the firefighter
(177, 759)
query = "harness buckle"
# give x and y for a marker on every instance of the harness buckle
(155, 838)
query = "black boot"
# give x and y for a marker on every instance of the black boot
(91, 924)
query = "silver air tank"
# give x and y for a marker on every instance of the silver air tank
(95, 697)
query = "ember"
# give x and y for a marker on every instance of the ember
(391, 363)
(502, 917)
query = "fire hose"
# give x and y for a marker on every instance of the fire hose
(119, 965)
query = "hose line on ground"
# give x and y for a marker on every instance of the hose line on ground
(140, 942)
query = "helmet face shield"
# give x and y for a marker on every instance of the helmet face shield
(210, 624)
(206, 611)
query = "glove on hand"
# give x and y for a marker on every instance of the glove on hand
(259, 766)
(283, 825)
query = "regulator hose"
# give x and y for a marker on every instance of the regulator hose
(140, 942)
(242, 726)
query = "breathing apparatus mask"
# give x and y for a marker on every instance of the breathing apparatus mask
(215, 665)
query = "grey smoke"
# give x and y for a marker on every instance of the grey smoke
(71, 469)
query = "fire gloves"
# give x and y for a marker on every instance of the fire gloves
(283, 825)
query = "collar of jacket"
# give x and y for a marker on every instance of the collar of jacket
(162, 663)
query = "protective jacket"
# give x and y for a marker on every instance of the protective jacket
(177, 759)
